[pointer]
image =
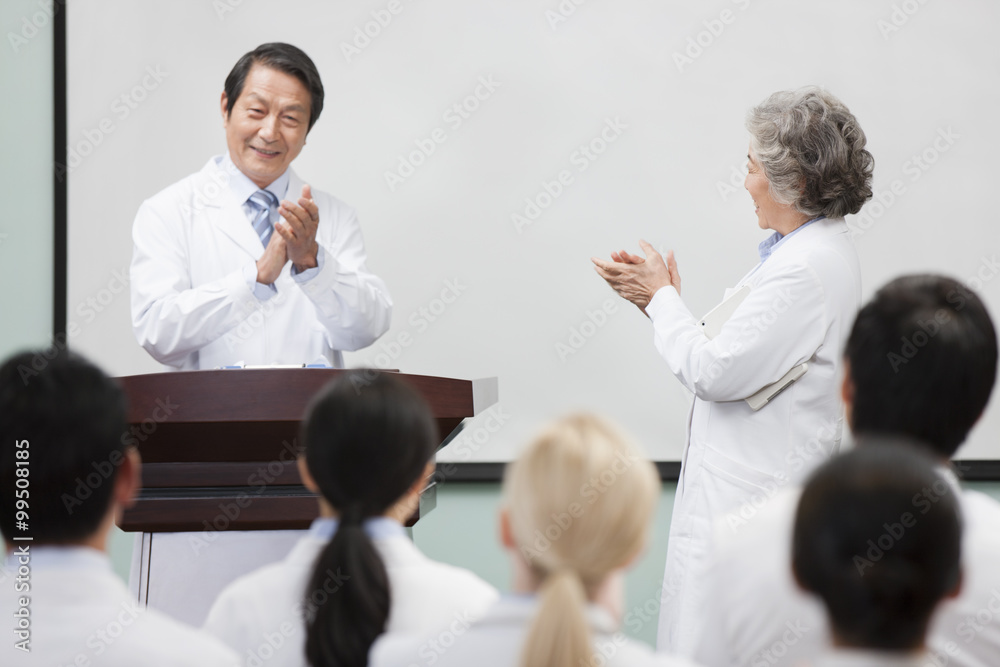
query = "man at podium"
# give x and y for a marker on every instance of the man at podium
(243, 263)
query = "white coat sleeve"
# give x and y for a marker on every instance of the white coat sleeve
(170, 318)
(780, 324)
(352, 303)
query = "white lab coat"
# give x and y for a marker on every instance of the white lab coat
(81, 613)
(859, 658)
(497, 640)
(260, 615)
(801, 306)
(759, 616)
(191, 304)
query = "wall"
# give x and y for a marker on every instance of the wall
(26, 176)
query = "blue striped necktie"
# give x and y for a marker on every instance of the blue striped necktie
(263, 203)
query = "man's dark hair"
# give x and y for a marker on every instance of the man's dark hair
(285, 58)
(923, 360)
(877, 537)
(72, 417)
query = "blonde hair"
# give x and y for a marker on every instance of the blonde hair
(579, 500)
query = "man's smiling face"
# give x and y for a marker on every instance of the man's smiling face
(267, 127)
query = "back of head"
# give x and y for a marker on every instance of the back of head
(878, 539)
(922, 359)
(368, 438)
(285, 58)
(812, 151)
(579, 501)
(61, 426)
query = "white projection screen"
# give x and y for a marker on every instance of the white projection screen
(598, 122)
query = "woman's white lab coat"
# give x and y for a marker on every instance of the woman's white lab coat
(800, 308)
(260, 615)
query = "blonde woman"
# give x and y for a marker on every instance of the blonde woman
(576, 512)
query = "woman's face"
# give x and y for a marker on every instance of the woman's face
(759, 188)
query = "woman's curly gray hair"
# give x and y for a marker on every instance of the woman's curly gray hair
(812, 151)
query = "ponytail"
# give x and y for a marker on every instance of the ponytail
(368, 437)
(347, 599)
(560, 633)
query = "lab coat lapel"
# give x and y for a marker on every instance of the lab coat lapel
(226, 214)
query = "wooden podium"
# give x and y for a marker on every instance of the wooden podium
(219, 446)
(221, 494)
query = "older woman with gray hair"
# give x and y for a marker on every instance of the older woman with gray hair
(764, 365)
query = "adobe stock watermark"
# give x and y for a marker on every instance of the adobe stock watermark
(910, 346)
(750, 332)
(735, 182)
(581, 158)
(705, 38)
(223, 8)
(590, 491)
(454, 117)
(103, 470)
(208, 190)
(366, 33)
(894, 531)
(648, 611)
(106, 634)
(899, 16)
(974, 624)
(230, 510)
(802, 458)
(562, 12)
(795, 630)
(243, 331)
(914, 168)
(292, 627)
(472, 440)
(435, 647)
(121, 108)
(419, 321)
(89, 309)
(35, 23)
(581, 333)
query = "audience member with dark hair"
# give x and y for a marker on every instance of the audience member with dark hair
(880, 562)
(65, 474)
(369, 445)
(920, 361)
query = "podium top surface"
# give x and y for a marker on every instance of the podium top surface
(276, 394)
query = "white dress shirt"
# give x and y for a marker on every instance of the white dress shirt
(858, 658)
(82, 614)
(260, 615)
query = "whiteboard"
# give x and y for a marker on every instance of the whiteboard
(597, 122)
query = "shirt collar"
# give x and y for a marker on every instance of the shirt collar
(61, 558)
(378, 527)
(516, 606)
(243, 187)
(844, 657)
(772, 242)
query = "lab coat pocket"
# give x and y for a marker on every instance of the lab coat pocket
(738, 474)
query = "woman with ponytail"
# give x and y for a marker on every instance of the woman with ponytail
(369, 445)
(576, 512)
